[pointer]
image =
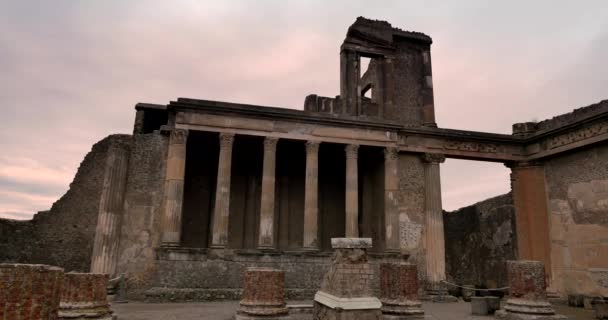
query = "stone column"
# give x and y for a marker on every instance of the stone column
(174, 188)
(531, 213)
(352, 192)
(311, 197)
(266, 235)
(391, 213)
(29, 291)
(435, 245)
(399, 291)
(222, 192)
(527, 293)
(263, 295)
(83, 296)
(107, 232)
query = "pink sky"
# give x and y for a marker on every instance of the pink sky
(71, 72)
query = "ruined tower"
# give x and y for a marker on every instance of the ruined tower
(398, 77)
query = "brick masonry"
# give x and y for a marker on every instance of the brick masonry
(30, 292)
(84, 295)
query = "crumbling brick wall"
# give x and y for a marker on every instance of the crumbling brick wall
(479, 239)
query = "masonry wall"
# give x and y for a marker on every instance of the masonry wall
(577, 192)
(479, 239)
(411, 209)
(140, 231)
(63, 236)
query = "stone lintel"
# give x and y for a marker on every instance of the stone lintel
(351, 243)
(359, 303)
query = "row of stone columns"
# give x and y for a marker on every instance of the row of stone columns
(174, 185)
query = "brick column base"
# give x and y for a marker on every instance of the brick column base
(84, 296)
(528, 295)
(399, 291)
(263, 295)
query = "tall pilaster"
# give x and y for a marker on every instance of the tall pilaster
(391, 214)
(352, 191)
(174, 188)
(266, 235)
(222, 192)
(311, 197)
(435, 245)
(107, 232)
(531, 213)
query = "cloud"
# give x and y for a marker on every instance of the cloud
(72, 71)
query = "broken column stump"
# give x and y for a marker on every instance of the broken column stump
(528, 295)
(346, 289)
(263, 295)
(84, 296)
(399, 291)
(29, 291)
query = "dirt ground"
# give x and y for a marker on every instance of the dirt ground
(225, 310)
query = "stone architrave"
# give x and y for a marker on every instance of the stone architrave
(391, 212)
(263, 295)
(346, 291)
(266, 234)
(174, 188)
(352, 191)
(528, 295)
(29, 291)
(84, 297)
(222, 192)
(311, 197)
(107, 232)
(435, 244)
(399, 291)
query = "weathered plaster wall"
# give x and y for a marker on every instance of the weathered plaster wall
(63, 236)
(577, 190)
(410, 203)
(479, 239)
(140, 231)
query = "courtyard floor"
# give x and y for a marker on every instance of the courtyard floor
(225, 310)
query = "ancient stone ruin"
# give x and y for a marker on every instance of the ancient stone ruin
(203, 189)
(399, 291)
(528, 296)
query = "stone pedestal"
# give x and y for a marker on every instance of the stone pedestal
(346, 289)
(399, 291)
(263, 295)
(84, 297)
(528, 296)
(29, 291)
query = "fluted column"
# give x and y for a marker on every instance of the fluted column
(107, 232)
(266, 235)
(435, 245)
(222, 192)
(352, 192)
(311, 197)
(391, 214)
(174, 188)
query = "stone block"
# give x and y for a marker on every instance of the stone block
(479, 306)
(351, 243)
(84, 296)
(493, 304)
(29, 291)
(601, 308)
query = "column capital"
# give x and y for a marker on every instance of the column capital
(433, 157)
(391, 153)
(178, 136)
(312, 146)
(270, 143)
(226, 139)
(351, 151)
